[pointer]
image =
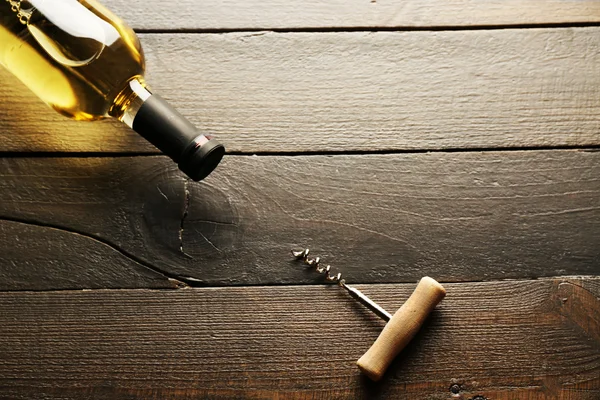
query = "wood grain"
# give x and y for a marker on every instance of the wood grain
(376, 218)
(501, 340)
(42, 258)
(299, 14)
(350, 91)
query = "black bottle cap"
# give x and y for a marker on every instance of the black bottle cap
(160, 124)
(202, 158)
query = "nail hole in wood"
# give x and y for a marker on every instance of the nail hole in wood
(455, 389)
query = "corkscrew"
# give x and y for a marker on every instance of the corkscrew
(400, 328)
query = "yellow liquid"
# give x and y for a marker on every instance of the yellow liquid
(75, 55)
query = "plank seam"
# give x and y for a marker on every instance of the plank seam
(23, 154)
(565, 278)
(433, 28)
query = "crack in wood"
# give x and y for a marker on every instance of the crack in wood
(162, 194)
(186, 207)
(180, 283)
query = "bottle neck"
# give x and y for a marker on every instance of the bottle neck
(129, 101)
(159, 123)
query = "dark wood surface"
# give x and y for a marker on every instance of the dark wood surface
(455, 139)
(519, 340)
(459, 216)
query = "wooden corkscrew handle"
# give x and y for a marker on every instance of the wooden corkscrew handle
(401, 328)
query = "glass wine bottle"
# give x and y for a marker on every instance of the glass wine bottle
(87, 64)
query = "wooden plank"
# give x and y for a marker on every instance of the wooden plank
(315, 14)
(532, 340)
(377, 218)
(41, 258)
(351, 91)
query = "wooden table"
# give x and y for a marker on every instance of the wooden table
(454, 139)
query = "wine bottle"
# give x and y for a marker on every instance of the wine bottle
(87, 64)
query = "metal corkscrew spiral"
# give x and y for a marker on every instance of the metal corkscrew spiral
(315, 262)
(355, 293)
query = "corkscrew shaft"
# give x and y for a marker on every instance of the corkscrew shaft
(367, 302)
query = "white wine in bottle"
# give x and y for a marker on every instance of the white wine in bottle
(87, 64)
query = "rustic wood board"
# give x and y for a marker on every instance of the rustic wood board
(350, 91)
(340, 14)
(378, 218)
(501, 340)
